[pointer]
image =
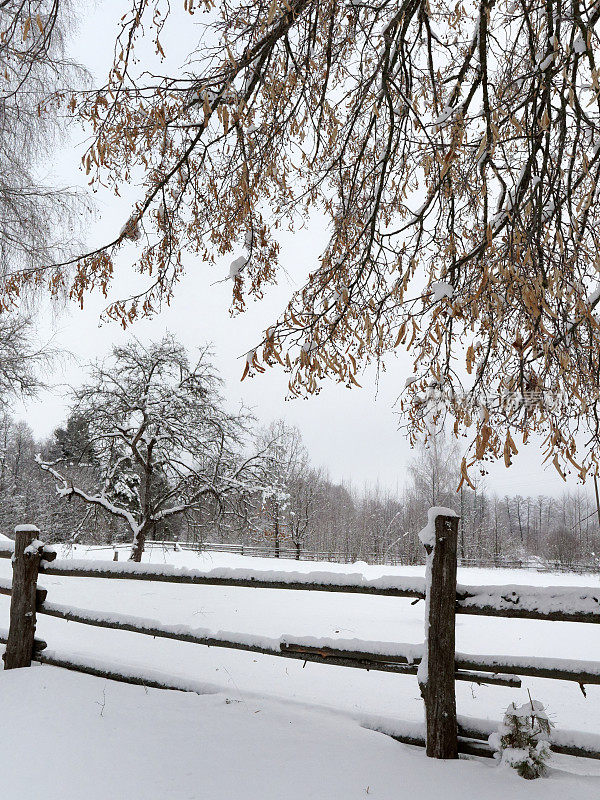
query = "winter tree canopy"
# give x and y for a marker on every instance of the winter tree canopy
(454, 149)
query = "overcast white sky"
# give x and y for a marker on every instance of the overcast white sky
(354, 434)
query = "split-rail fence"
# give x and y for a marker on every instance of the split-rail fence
(436, 664)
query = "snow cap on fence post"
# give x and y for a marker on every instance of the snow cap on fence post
(23, 601)
(437, 667)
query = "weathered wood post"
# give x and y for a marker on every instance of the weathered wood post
(24, 597)
(436, 671)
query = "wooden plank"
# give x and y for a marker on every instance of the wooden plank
(523, 613)
(578, 672)
(487, 678)
(6, 589)
(56, 660)
(113, 674)
(580, 750)
(23, 601)
(381, 662)
(104, 571)
(581, 672)
(463, 604)
(38, 644)
(437, 679)
(339, 658)
(464, 745)
(94, 619)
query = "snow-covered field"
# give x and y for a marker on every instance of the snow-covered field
(275, 728)
(99, 740)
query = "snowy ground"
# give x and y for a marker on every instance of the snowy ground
(125, 742)
(238, 749)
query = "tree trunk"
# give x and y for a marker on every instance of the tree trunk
(437, 686)
(496, 539)
(277, 534)
(19, 646)
(145, 504)
(139, 541)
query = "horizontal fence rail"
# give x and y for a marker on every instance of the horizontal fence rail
(558, 604)
(414, 588)
(473, 737)
(369, 660)
(469, 667)
(581, 672)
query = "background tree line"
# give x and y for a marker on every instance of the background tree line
(305, 512)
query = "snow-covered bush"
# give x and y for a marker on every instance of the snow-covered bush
(522, 740)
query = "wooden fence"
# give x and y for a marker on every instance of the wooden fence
(436, 664)
(383, 558)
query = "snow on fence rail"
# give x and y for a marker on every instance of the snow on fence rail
(30, 556)
(7, 548)
(473, 734)
(378, 656)
(559, 604)
(564, 604)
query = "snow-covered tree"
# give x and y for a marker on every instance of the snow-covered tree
(162, 437)
(284, 456)
(522, 741)
(433, 472)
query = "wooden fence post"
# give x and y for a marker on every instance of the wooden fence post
(436, 674)
(26, 562)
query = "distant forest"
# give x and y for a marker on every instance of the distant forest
(312, 514)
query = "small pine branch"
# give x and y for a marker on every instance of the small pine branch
(522, 740)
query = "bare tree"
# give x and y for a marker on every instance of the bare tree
(285, 456)
(22, 358)
(306, 500)
(36, 220)
(433, 472)
(162, 437)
